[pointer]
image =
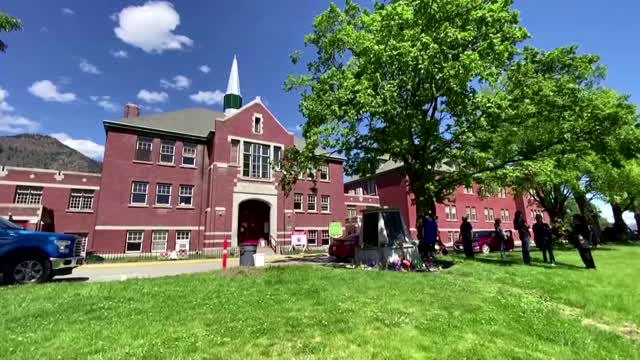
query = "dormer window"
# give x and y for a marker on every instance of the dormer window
(257, 124)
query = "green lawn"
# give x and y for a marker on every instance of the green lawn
(480, 309)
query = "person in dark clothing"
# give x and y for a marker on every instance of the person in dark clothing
(581, 238)
(542, 238)
(502, 237)
(429, 238)
(520, 224)
(466, 234)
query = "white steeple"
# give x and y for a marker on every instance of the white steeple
(234, 79)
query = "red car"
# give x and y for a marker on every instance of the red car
(486, 241)
(344, 249)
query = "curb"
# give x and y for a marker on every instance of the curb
(232, 262)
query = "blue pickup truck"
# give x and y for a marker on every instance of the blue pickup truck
(33, 257)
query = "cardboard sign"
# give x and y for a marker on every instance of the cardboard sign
(335, 229)
(299, 238)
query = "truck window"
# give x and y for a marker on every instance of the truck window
(370, 229)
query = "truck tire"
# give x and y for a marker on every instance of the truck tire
(27, 269)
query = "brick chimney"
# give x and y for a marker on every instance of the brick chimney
(131, 110)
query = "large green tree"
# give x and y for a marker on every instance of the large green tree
(441, 87)
(7, 24)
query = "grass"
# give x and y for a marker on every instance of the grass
(483, 309)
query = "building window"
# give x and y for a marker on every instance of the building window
(186, 195)
(163, 194)
(452, 236)
(297, 202)
(143, 148)
(311, 202)
(183, 240)
(324, 237)
(352, 212)
(358, 191)
(29, 195)
(134, 241)
(159, 240)
(167, 151)
(81, 199)
(370, 187)
(277, 157)
(504, 215)
(139, 193)
(256, 161)
(257, 124)
(324, 172)
(312, 237)
(537, 212)
(234, 156)
(502, 193)
(450, 212)
(468, 190)
(189, 154)
(488, 215)
(351, 192)
(471, 213)
(325, 203)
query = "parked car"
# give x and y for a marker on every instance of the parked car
(344, 249)
(34, 257)
(486, 241)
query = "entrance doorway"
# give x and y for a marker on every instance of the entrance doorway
(253, 221)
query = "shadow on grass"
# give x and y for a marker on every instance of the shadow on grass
(71, 279)
(316, 259)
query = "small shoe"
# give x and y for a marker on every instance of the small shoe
(553, 264)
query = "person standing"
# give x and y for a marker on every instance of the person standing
(502, 237)
(466, 234)
(581, 238)
(542, 237)
(520, 223)
(429, 237)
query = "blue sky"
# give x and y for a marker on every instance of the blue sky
(76, 63)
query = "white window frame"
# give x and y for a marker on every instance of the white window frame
(472, 213)
(163, 194)
(301, 208)
(327, 203)
(352, 211)
(158, 240)
(141, 144)
(322, 237)
(81, 197)
(133, 192)
(468, 190)
(314, 202)
(451, 213)
(314, 237)
(183, 193)
(164, 145)
(505, 215)
(324, 173)
(181, 240)
(489, 215)
(235, 161)
(141, 241)
(260, 123)
(29, 194)
(189, 146)
(276, 162)
(256, 156)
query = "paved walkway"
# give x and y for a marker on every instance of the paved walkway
(124, 271)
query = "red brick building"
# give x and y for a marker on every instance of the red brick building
(191, 178)
(388, 187)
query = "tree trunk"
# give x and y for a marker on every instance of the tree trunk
(620, 227)
(587, 210)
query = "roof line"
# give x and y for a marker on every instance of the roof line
(118, 124)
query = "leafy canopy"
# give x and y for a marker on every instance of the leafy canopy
(7, 24)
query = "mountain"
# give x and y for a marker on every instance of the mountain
(44, 152)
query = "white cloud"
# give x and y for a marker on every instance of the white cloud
(180, 82)
(151, 108)
(16, 124)
(4, 105)
(121, 54)
(106, 103)
(87, 147)
(48, 91)
(67, 11)
(150, 27)
(205, 69)
(208, 97)
(153, 96)
(88, 67)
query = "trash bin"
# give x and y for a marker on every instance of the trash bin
(247, 250)
(258, 260)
